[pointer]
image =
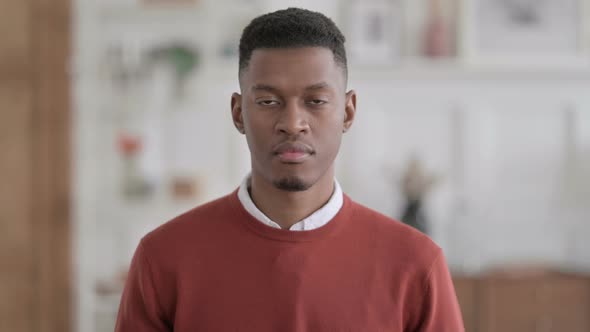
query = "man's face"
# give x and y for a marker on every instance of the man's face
(293, 111)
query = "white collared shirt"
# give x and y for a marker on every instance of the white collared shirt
(315, 220)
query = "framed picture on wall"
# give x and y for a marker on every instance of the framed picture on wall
(374, 31)
(525, 33)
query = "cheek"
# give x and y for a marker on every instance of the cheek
(257, 135)
(258, 122)
(331, 142)
(329, 131)
(255, 142)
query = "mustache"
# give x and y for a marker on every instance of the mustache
(290, 146)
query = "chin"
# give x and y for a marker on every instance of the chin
(292, 183)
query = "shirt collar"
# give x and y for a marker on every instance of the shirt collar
(317, 219)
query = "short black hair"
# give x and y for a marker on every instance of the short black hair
(289, 28)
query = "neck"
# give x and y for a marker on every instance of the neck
(286, 208)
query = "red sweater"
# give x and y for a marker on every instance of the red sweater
(216, 268)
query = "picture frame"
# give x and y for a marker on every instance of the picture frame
(374, 30)
(526, 34)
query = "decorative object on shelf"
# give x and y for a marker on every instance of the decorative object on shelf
(134, 184)
(525, 33)
(237, 17)
(126, 71)
(131, 63)
(437, 33)
(228, 49)
(230, 38)
(183, 58)
(375, 31)
(185, 187)
(415, 185)
(124, 63)
(112, 286)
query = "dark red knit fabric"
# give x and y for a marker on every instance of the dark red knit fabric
(216, 268)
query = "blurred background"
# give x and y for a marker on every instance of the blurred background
(473, 126)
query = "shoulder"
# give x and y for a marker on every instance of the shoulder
(409, 246)
(201, 221)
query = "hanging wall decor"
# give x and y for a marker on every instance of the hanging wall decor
(525, 33)
(375, 31)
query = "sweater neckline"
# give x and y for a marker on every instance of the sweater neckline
(285, 235)
(319, 218)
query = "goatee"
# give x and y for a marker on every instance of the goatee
(291, 184)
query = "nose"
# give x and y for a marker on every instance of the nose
(292, 120)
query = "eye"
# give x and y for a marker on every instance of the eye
(317, 102)
(267, 102)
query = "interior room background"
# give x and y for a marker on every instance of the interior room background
(477, 109)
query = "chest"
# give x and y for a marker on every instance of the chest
(289, 290)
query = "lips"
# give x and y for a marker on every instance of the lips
(293, 152)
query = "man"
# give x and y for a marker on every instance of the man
(288, 251)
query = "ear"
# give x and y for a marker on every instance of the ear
(236, 112)
(349, 109)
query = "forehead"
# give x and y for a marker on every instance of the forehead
(292, 68)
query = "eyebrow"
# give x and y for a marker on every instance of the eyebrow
(317, 86)
(264, 87)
